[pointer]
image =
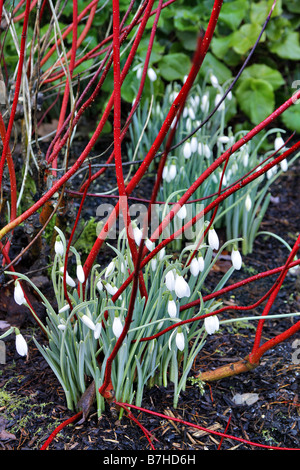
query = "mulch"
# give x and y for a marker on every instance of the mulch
(37, 404)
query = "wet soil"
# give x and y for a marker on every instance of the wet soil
(36, 400)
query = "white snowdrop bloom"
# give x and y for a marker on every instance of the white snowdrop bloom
(61, 326)
(236, 259)
(213, 239)
(187, 152)
(248, 203)
(149, 244)
(284, 165)
(123, 267)
(182, 212)
(69, 280)
(162, 254)
(245, 158)
(138, 235)
(217, 100)
(201, 263)
(172, 308)
(211, 324)
(153, 264)
(194, 267)
(278, 143)
(182, 289)
(189, 125)
(97, 330)
(99, 285)
(179, 340)
(204, 103)
(191, 113)
(223, 139)
(139, 73)
(165, 174)
(229, 96)
(214, 81)
(59, 247)
(19, 294)
(117, 327)
(185, 112)
(194, 144)
(110, 288)
(170, 280)
(152, 74)
(172, 171)
(110, 269)
(88, 322)
(21, 345)
(64, 308)
(271, 172)
(207, 151)
(80, 273)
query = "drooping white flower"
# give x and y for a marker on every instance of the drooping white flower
(181, 287)
(187, 152)
(110, 288)
(64, 308)
(179, 340)
(191, 113)
(88, 322)
(138, 235)
(162, 254)
(97, 330)
(59, 247)
(236, 259)
(201, 263)
(99, 285)
(110, 269)
(194, 144)
(150, 244)
(229, 96)
(21, 345)
(69, 280)
(153, 264)
(152, 74)
(182, 212)
(223, 139)
(170, 280)
(194, 267)
(172, 308)
(172, 171)
(19, 294)
(217, 101)
(117, 327)
(213, 239)
(214, 81)
(80, 273)
(61, 326)
(284, 165)
(278, 143)
(211, 324)
(248, 203)
(204, 103)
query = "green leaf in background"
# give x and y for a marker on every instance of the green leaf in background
(245, 37)
(233, 13)
(264, 72)
(291, 118)
(174, 66)
(255, 98)
(288, 47)
(260, 10)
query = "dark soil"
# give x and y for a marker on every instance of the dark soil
(37, 404)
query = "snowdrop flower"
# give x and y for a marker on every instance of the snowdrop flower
(213, 239)
(59, 247)
(236, 259)
(248, 203)
(271, 172)
(153, 264)
(97, 330)
(187, 152)
(217, 100)
(64, 308)
(204, 103)
(110, 269)
(181, 287)
(138, 234)
(203, 149)
(194, 267)
(110, 288)
(172, 308)
(278, 143)
(172, 171)
(117, 327)
(191, 113)
(284, 165)
(69, 280)
(21, 345)
(182, 212)
(223, 139)
(139, 72)
(19, 294)
(214, 81)
(99, 285)
(61, 326)
(162, 254)
(211, 324)
(152, 74)
(201, 263)
(229, 96)
(88, 322)
(149, 244)
(179, 340)
(80, 273)
(170, 280)
(194, 144)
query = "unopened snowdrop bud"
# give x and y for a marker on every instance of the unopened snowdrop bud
(214, 81)
(110, 288)
(223, 139)
(181, 287)
(248, 203)
(194, 144)
(153, 264)
(236, 259)
(138, 234)
(139, 72)
(204, 103)
(117, 327)
(182, 212)
(80, 273)
(97, 330)
(170, 280)
(64, 308)
(201, 263)
(110, 269)
(194, 267)
(284, 165)
(88, 322)
(21, 345)
(187, 152)
(152, 74)
(149, 244)
(172, 171)
(217, 101)
(211, 324)
(19, 294)
(99, 285)
(278, 143)
(59, 247)
(172, 308)
(162, 254)
(69, 280)
(179, 340)
(229, 96)
(213, 239)
(61, 326)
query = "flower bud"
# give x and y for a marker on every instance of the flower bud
(187, 152)
(213, 239)
(236, 259)
(88, 322)
(211, 324)
(117, 327)
(181, 287)
(248, 203)
(80, 273)
(278, 143)
(179, 339)
(170, 280)
(97, 330)
(110, 269)
(194, 267)
(152, 74)
(59, 247)
(214, 81)
(19, 294)
(21, 345)
(182, 212)
(172, 308)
